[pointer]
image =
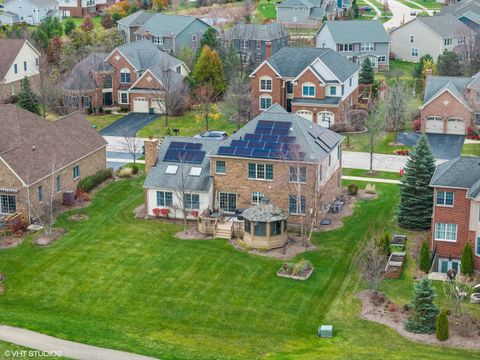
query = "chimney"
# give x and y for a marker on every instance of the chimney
(268, 50)
(151, 153)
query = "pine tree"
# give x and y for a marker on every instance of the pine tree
(466, 265)
(448, 64)
(208, 71)
(26, 97)
(356, 9)
(424, 310)
(366, 72)
(424, 260)
(442, 326)
(416, 196)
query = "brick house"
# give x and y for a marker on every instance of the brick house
(40, 159)
(18, 59)
(456, 212)
(317, 84)
(451, 105)
(82, 8)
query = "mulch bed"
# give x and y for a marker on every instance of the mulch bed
(78, 217)
(292, 249)
(43, 239)
(192, 234)
(12, 241)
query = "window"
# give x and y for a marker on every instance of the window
(414, 52)
(444, 198)
(158, 40)
(447, 41)
(171, 169)
(15, 68)
(258, 57)
(382, 58)
(259, 44)
(308, 89)
(24, 66)
(260, 229)
(412, 38)
(228, 201)
(290, 88)
(125, 76)
(195, 171)
(294, 171)
(220, 167)
(477, 246)
(350, 81)
(37, 61)
(179, 69)
(8, 204)
(260, 171)
(345, 47)
(329, 159)
(192, 201)
(76, 172)
(164, 198)
(247, 226)
(265, 84)
(40, 194)
(58, 183)
(244, 44)
(257, 197)
(333, 90)
(265, 102)
(446, 232)
(461, 40)
(123, 97)
(296, 207)
(367, 47)
(107, 82)
(276, 228)
(194, 38)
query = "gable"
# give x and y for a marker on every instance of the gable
(444, 100)
(119, 61)
(265, 69)
(147, 81)
(414, 27)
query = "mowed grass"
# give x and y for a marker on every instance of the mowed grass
(361, 142)
(401, 70)
(97, 21)
(102, 121)
(471, 149)
(267, 9)
(12, 352)
(366, 173)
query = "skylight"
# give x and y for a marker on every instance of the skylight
(195, 171)
(171, 169)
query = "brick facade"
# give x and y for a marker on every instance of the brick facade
(278, 92)
(7, 89)
(119, 62)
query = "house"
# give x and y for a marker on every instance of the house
(169, 32)
(82, 8)
(467, 11)
(357, 40)
(431, 35)
(19, 59)
(133, 76)
(40, 159)
(318, 84)
(32, 12)
(456, 212)
(256, 42)
(306, 13)
(277, 155)
(451, 105)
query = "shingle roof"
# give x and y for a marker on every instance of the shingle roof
(9, 48)
(291, 61)
(296, 3)
(265, 32)
(265, 213)
(445, 25)
(350, 31)
(157, 178)
(80, 79)
(463, 172)
(136, 19)
(143, 54)
(160, 24)
(473, 16)
(29, 144)
(461, 7)
(436, 85)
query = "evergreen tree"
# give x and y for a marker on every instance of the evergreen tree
(47, 30)
(466, 265)
(442, 326)
(356, 9)
(69, 26)
(209, 39)
(448, 64)
(384, 244)
(26, 97)
(416, 195)
(424, 310)
(418, 68)
(209, 71)
(424, 260)
(366, 72)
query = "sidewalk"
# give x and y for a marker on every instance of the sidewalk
(370, 179)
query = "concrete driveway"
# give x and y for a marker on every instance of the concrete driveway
(443, 146)
(129, 125)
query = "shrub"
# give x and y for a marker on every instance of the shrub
(417, 124)
(108, 111)
(125, 172)
(424, 260)
(466, 264)
(370, 189)
(403, 152)
(425, 312)
(384, 243)
(88, 183)
(339, 127)
(442, 326)
(352, 189)
(134, 169)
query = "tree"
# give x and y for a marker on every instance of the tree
(232, 64)
(237, 104)
(209, 72)
(27, 99)
(456, 299)
(418, 68)
(131, 144)
(448, 64)
(372, 263)
(424, 310)
(416, 195)
(442, 326)
(375, 125)
(107, 21)
(209, 39)
(87, 24)
(159, 5)
(384, 243)
(54, 51)
(429, 67)
(355, 8)
(46, 31)
(69, 26)
(424, 260)
(366, 72)
(400, 105)
(466, 265)
(205, 96)
(355, 119)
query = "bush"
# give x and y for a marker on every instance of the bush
(403, 152)
(417, 124)
(88, 183)
(125, 172)
(352, 189)
(108, 111)
(370, 189)
(424, 260)
(339, 127)
(466, 264)
(442, 326)
(384, 243)
(134, 169)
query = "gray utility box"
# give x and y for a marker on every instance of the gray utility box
(325, 331)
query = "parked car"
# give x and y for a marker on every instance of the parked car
(413, 13)
(214, 134)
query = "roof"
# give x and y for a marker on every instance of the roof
(291, 61)
(299, 3)
(143, 54)
(461, 8)
(9, 48)
(314, 142)
(157, 178)
(80, 78)
(350, 31)
(160, 24)
(436, 85)
(44, 3)
(136, 19)
(265, 32)
(472, 16)
(30, 145)
(463, 172)
(265, 213)
(445, 25)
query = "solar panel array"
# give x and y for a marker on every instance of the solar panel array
(179, 151)
(325, 139)
(270, 140)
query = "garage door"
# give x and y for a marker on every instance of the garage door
(140, 105)
(305, 114)
(158, 106)
(434, 124)
(456, 126)
(325, 118)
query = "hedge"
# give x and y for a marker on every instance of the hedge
(88, 183)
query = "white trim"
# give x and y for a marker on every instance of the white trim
(445, 199)
(440, 92)
(309, 67)
(445, 240)
(477, 238)
(117, 49)
(141, 77)
(309, 84)
(268, 78)
(259, 66)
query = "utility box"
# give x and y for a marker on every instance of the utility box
(325, 331)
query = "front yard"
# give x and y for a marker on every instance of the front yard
(102, 121)
(361, 142)
(471, 149)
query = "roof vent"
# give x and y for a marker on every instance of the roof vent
(33, 147)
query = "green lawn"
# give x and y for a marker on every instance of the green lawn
(128, 284)
(366, 173)
(471, 149)
(102, 121)
(267, 9)
(97, 21)
(361, 142)
(430, 4)
(11, 351)
(398, 69)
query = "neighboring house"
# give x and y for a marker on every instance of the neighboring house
(255, 42)
(33, 12)
(169, 32)
(80, 8)
(451, 105)
(18, 59)
(318, 84)
(456, 212)
(261, 160)
(310, 13)
(431, 35)
(357, 40)
(40, 159)
(467, 11)
(133, 76)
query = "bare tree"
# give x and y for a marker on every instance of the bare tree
(355, 118)
(375, 124)
(400, 105)
(131, 144)
(237, 103)
(457, 296)
(205, 96)
(181, 190)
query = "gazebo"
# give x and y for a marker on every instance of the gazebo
(265, 226)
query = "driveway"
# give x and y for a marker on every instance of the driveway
(443, 146)
(129, 125)
(400, 14)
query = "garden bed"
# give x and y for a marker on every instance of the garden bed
(296, 271)
(43, 239)
(395, 264)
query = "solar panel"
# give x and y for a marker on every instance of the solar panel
(177, 145)
(197, 156)
(260, 130)
(265, 123)
(239, 143)
(243, 151)
(256, 144)
(282, 125)
(192, 146)
(286, 139)
(322, 145)
(272, 138)
(254, 137)
(261, 153)
(226, 150)
(273, 146)
(170, 155)
(279, 131)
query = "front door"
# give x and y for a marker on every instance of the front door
(107, 99)
(444, 265)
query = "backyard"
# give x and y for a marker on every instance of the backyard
(129, 284)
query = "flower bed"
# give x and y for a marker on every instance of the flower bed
(403, 152)
(298, 271)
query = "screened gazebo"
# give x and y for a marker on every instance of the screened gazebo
(265, 226)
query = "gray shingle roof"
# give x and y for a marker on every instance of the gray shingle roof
(473, 16)
(329, 100)
(463, 172)
(265, 32)
(136, 19)
(160, 24)
(461, 7)
(44, 3)
(356, 31)
(296, 3)
(438, 84)
(265, 213)
(80, 79)
(445, 25)
(291, 61)
(143, 54)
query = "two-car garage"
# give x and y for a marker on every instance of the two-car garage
(436, 125)
(143, 105)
